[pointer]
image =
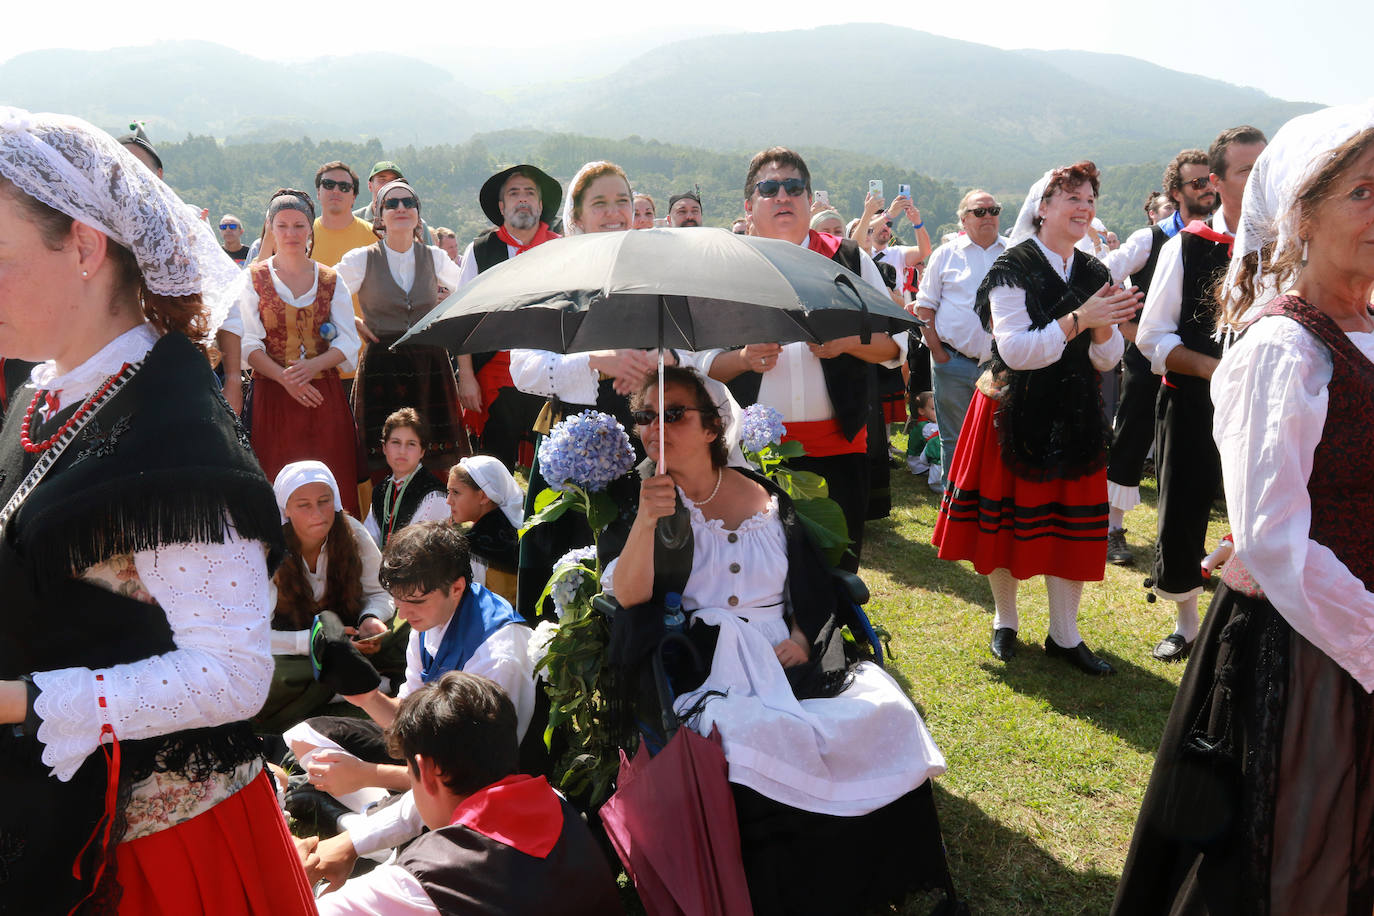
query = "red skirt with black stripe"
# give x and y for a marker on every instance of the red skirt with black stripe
(998, 520)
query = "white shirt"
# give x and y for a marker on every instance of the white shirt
(352, 267)
(1022, 348)
(949, 287)
(795, 385)
(340, 315)
(376, 602)
(1271, 397)
(387, 890)
(1158, 333)
(1131, 255)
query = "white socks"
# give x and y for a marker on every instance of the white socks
(1187, 619)
(1116, 519)
(1003, 599)
(1064, 595)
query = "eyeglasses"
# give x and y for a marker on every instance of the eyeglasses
(329, 184)
(671, 414)
(981, 212)
(1198, 184)
(223, 226)
(794, 187)
(393, 203)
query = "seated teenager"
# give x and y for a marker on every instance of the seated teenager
(500, 843)
(410, 493)
(331, 566)
(481, 491)
(456, 625)
(825, 755)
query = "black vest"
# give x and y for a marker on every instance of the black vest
(163, 462)
(494, 541)
(1204, 263)
(849, 381)
(1141, 278)
(1050, 421)
(422, 483)
(489, 250)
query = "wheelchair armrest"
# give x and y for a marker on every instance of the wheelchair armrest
(853, 585)
(606, 605)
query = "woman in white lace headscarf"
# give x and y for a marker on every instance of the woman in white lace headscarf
(1261, 800)
(138, 536)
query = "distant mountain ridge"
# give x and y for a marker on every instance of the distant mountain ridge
(950, 109)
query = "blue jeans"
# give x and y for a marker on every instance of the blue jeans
(953, 383)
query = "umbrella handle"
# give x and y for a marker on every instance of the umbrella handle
(865, 328)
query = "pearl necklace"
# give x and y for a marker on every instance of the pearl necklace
(720, 475)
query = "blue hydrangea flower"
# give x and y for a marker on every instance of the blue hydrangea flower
(761, 427)
(566, 588)
(589, 450)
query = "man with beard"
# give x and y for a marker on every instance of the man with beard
(684, 210)
(1176, 336)
(825, 392)
(520, 201)
(1187, 185)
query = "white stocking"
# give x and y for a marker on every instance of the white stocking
(1187, 619)
(1003, 599)
(1064, 595)
(1116, 519)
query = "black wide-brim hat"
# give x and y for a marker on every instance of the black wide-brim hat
(550, 193)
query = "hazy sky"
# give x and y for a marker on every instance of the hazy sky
(1301, 51)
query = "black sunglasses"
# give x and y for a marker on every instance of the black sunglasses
(329, 184)
(394, 203)
(1198, 184)
(981, 212)
(794, 187)
(671, 414)
(223, 226)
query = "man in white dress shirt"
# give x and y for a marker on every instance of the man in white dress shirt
(1176, 335)
(959, 345)
(824, 391)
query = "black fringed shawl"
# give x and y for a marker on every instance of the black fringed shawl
(164, 461)
(1049, 420)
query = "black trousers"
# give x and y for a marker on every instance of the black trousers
(1133, 430)
(1189, 471)
(847, 476)
(510, 420)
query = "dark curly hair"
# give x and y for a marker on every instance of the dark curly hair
(1173, 178)
(343, 586)
(1069, 177)
(706, 408)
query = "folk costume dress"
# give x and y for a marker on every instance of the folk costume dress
(1028, 486)
(418, 497)
(827, 756)
(1262, 796)
(289, 328)
(136, 575)
(395, 291)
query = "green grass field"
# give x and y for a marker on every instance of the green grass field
(1047, 766)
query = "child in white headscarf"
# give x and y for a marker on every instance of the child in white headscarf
(481, 491)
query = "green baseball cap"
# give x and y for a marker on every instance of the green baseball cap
(386, 165)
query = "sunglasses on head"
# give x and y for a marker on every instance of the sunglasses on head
(329, 184)
(394, 203)
(671, 414)
(1198, 184)
(794, 187)
(981, 212)
(223, 226)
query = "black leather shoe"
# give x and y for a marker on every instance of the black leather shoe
(1004, 643)
(1080, 656)
(1172, 648)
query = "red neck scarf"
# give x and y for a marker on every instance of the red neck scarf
(541, 235)
(823, 243)
(522, 812)
(1201, 229)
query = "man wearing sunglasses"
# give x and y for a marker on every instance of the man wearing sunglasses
(1175, 335)
(231, 231)
(1188, 185)
(953, 332)
(824, 391)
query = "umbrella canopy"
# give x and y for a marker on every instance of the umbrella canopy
(604, 290)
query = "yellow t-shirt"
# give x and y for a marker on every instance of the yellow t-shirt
(332, 244)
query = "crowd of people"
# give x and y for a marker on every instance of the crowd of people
(294, 580)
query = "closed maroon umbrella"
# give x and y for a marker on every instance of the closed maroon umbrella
(672, 821)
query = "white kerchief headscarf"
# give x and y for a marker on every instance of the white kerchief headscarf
(493, 479)
(1025, 220)
(299, 473)
(81, 171)
(1298, 150)
(730, 414)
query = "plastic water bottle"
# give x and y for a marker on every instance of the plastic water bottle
(673, 619)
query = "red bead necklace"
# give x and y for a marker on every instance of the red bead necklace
(34, 448)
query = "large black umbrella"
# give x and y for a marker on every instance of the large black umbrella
(711, 287)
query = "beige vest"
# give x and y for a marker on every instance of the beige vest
(388, 309)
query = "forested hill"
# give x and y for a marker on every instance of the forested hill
(238, 178)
